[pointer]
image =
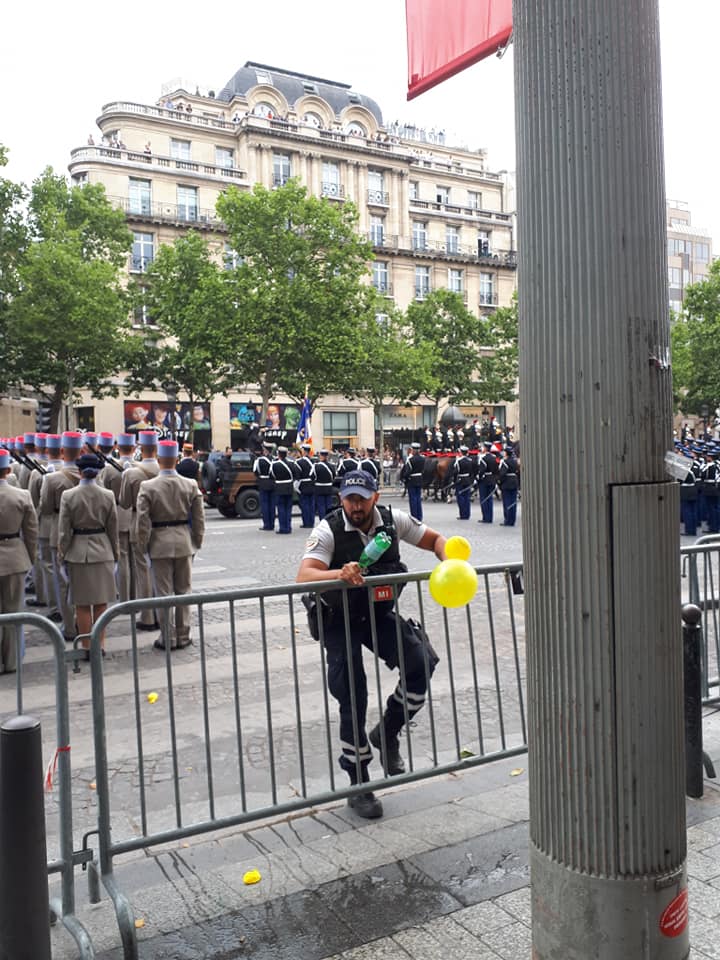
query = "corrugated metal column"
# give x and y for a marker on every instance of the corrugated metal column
(600, 519)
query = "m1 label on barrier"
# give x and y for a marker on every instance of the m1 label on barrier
(383, 593)
(675, 917)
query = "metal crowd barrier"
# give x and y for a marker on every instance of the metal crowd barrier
(241, 726)
(62, 908)
(701, 586)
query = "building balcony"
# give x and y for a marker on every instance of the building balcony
(335, 191)
(488, 298)
(441, 250)
(384, 287)
(213, 119)
(140, 264)
(152, 161)
(454, 209)
(180, 214)
(422, 292)
(378, 198)
(280, 179)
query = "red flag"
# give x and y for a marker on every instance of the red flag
(446, 36)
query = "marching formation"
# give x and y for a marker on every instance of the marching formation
(84, 523)
(700, 488)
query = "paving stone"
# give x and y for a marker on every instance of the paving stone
(483, 917)
(704, 897)
(702, 866)
(451, 823)
(509, 803)
(513, 942)
(518, 903)
(440, 939)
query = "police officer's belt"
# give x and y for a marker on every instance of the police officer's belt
(9, 536)
(86, 531)
(170, 523)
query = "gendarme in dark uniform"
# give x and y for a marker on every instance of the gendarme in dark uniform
(306, 485)
(412, 475)
(370, 464)
(463, 476)
(324, 477)
(509, 483)
(487, 470)
(261, 469)
(284, 474)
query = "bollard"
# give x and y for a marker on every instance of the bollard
(24, 906)
(692, 654)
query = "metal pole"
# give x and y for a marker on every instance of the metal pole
(692, 649)
(601, 532)
(24, 905)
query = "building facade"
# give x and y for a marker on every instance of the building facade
(435, 215)
(689, 252)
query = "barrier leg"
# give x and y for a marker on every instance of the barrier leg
(692, 643)
(24, 901)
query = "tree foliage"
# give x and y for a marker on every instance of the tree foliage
(694, 336)
(297, 293)
(186, 296)
(13, 241)
(67, 323)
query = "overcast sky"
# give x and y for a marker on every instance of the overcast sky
(59, 64)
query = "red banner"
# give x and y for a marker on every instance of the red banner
(446, 36)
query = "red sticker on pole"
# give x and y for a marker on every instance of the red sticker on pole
(675, 917)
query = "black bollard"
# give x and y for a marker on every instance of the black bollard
(692, 653)
(24, 906)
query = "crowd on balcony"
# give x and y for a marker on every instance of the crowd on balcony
(113, 142)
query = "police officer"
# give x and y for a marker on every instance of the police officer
(111, 479)
(331, 553)
(306, 486)
(688, 501)
(284, 474)
(170, 529)
(145, 469)
(487, 470)
(255, 444)
(88, 545)
(18, 540)
(369, 464)
(189, 466)
(348, 464)
(323, 488)
(261, 469)
(509, 483)
(710, 479)
(412, 474)
(463, 477)
(53, 487)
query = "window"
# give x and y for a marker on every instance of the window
(313, 120)
(487, 289)
(355, 129)
(676, 247)
(674, 276)
(377, 230)
(79, 179)
(676, 306)
(382, 320)
(702, 252)
(340, 426)
(223, 157)
(281, 169)
(452, 239)
(422, 282)
(138, 196)
(330, 179)
(264, 109)
(484, 243)
(309, 87)
(456, 281)
(142, 252)
(180, 149)
(141, 316)
(376, 187)
(187, 203)
(474, 200)
(380, 276)
(419, 235)
(231, 258)
(262, 76)
(442, 194)
(414, 190)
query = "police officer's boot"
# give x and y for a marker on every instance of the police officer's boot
(365, 805)
(393, 763)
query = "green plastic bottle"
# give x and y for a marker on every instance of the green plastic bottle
(374, 550)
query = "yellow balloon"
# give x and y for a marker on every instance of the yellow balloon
(152, 697)
(457, 548)
(252, 876)
(453, 583)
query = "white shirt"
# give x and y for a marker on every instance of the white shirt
(320, 545)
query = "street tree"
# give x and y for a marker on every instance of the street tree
(13, 241)
(67, 324)
(296, 293)
(497, 374)
(695, 334)
(185, 294)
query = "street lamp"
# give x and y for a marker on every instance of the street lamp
(171, 391)
(704, 411)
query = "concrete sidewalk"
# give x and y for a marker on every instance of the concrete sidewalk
(445, 872)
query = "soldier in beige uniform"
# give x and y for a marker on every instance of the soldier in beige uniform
(129, 490)
(43, 588)
(111, 478)
(18, 543)
(88, 545)
(53, 487)
(170, 525)
(54, 463)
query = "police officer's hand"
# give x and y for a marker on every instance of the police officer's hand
(352, 574)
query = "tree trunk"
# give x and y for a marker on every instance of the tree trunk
(55, 410)
(265, 396)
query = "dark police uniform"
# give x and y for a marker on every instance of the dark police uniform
(347, 466)
(369, 466)
(509, 482)
(688, 502)
(463, 477)
(487, 471)
(323, 486)
(306, 485)
(261, 469)
(418, 658)
(284, 474)
(711, 494)
(412, 474)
